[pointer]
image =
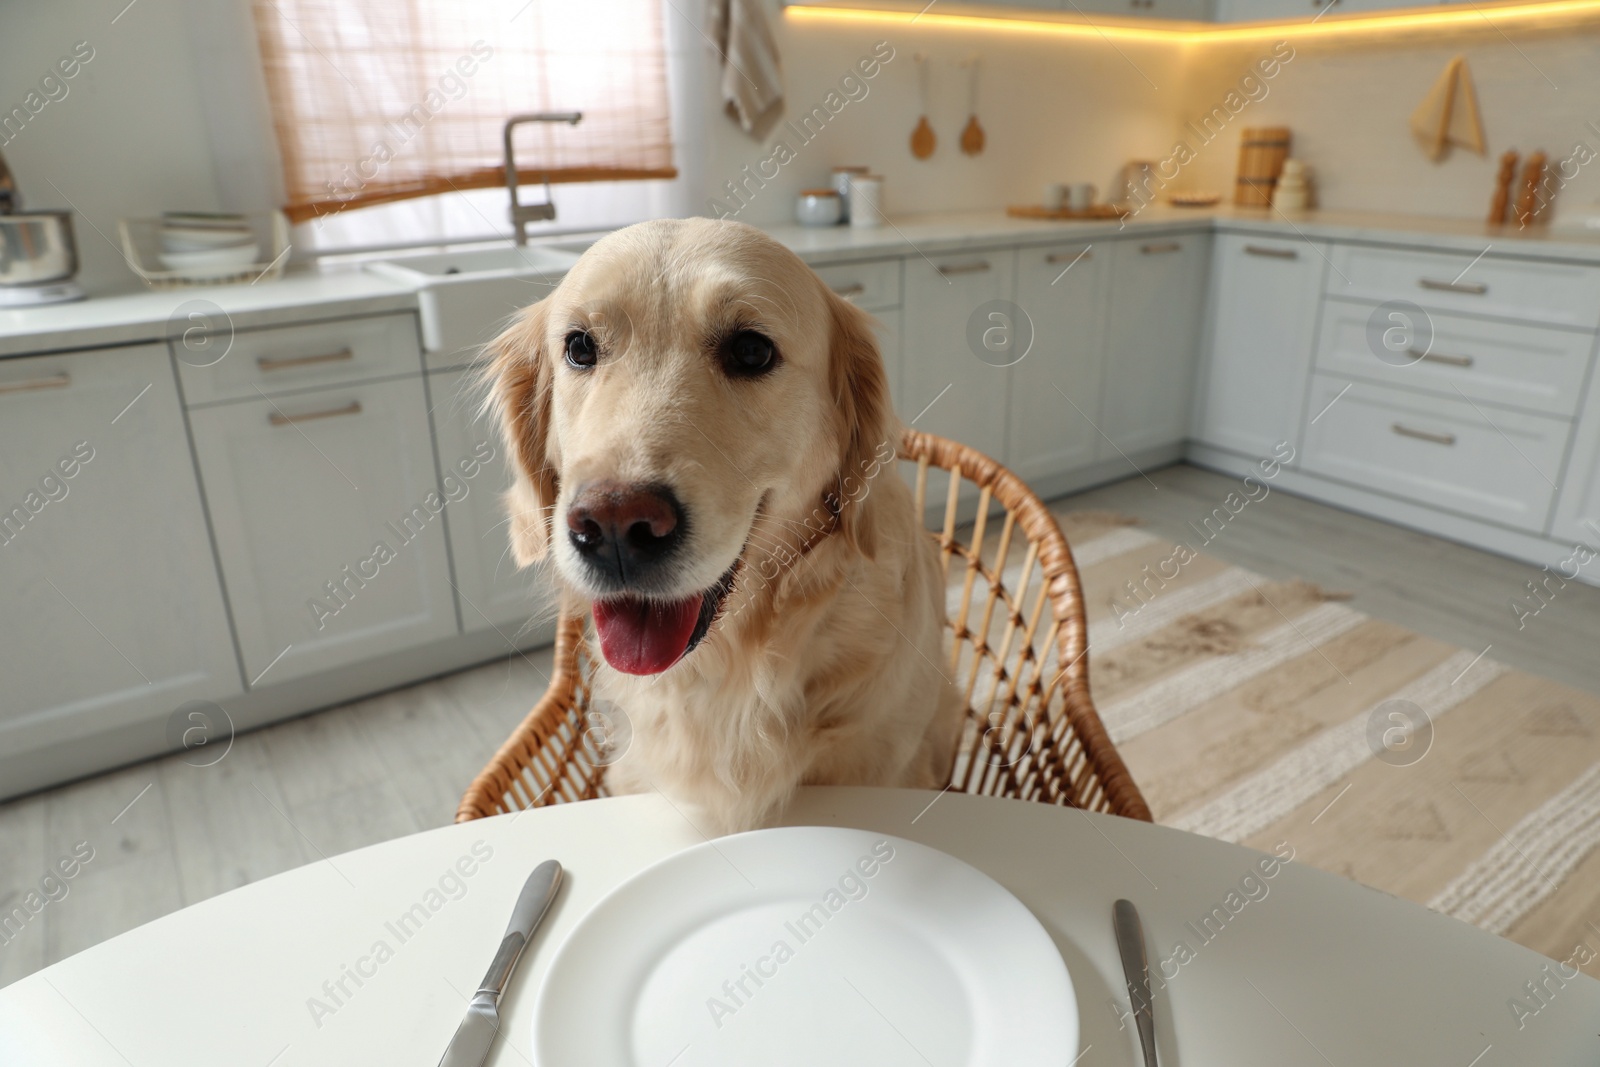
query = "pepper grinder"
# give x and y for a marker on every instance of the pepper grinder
(1502, 188)
(1528, 205)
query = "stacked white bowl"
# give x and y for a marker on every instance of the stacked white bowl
(203, 245)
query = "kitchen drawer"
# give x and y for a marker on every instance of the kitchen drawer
(1059, 257)
(284, 359)
(1530, 367)
(871, 284)
(1436, 451)
(1561, 294)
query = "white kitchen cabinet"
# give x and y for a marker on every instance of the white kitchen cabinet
(1184, 10)
(1055, 389)
(875, 287)
(474, 473)
(886, 328)
(326, 512)
(1270, 10)
(1266, 293)
(1157, 289)
(1577, 515)
(1495, 466)
(113, 613)
(949, 390)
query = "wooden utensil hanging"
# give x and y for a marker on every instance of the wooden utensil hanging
(923, 141)
(972, 136)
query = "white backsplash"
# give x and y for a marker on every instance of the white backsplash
(133, 136)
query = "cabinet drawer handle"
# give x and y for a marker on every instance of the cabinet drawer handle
(1067, 257)
(1424, 435)
(1158, 249)
(977, 266)
(847, 291)
(277, 418)
(272, 363)
(1470, 288)
(55, 381)
(1439, 357)
(1275, 253)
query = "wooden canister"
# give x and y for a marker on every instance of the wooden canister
(1262, 150)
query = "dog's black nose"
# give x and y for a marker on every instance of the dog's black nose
(623, 530)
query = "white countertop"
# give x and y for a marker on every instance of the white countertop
(1313, 969)
(952, 231)
(309, 295)
(130, 318)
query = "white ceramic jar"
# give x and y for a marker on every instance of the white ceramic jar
(866, 201)
(818, 207)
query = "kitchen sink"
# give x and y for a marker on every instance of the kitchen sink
(466, 297)
(470, 263)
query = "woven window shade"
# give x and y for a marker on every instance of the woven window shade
(380, 100)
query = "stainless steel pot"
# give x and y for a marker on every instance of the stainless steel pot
(37, 248)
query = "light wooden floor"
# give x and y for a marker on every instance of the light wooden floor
(166, 834)
(1438, 588)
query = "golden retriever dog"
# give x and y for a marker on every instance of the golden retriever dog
(704, 453)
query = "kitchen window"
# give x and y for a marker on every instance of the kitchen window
(374, 103)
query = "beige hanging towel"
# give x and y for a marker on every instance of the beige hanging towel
(752, 77)
(1449, 114)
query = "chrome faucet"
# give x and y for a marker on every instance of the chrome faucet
(522, 214)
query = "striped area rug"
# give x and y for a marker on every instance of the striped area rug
(1261, 711)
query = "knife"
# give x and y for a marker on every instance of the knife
(1130, 943)
(475, 1035)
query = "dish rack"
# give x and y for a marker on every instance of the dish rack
(141, 248)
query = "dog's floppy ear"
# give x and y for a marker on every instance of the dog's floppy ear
(869, 433)
(519, 395)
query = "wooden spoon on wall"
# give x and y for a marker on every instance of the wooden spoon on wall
(923, 141)
(972, 137)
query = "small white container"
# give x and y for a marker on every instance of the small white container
(1292, 193)
(1081, 197)
(1055, 195)
(818, 207)
(866, 201)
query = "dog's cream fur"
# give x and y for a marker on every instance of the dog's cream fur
(825, 667)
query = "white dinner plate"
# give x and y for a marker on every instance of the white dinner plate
(804, 946)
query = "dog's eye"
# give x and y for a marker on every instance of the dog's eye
(581, 349)
(748, 353)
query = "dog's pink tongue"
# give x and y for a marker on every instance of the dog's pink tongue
(645, 637)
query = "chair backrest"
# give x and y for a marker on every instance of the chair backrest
(1020, 638)
(1019, 655)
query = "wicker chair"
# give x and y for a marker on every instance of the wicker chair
(1031, 732)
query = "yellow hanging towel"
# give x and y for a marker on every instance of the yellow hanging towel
(1449, 114)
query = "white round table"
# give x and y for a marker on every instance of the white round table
(1299, 967)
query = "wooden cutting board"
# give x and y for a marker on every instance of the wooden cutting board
(1039, 211)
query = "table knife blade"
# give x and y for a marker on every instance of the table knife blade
(1130, 943)
(476, 1034)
